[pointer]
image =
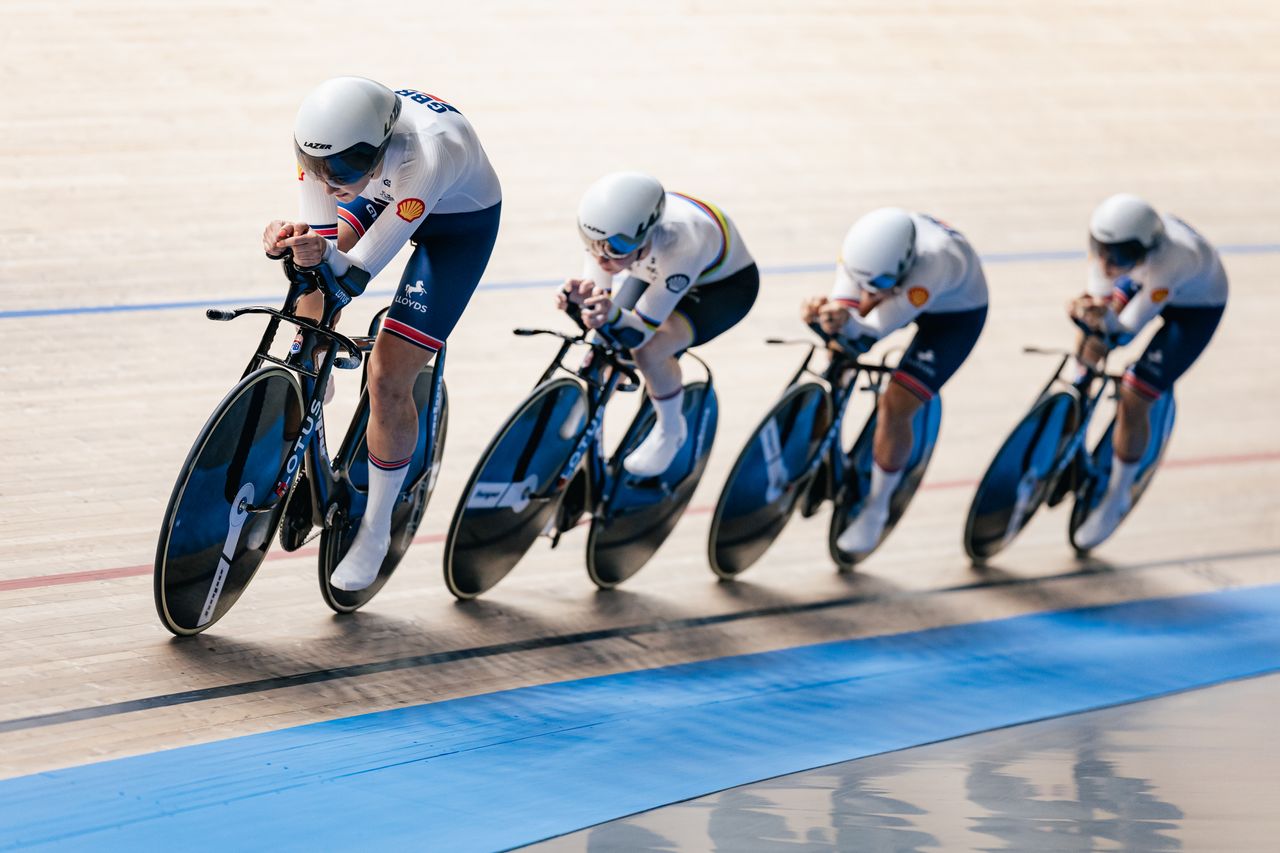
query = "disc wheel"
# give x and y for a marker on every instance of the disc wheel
(772, 472)
(406, 517)
(851, 494)
(637, 515)
(211, 545)
(1090, 492)
(1019, 478)
(514, 490)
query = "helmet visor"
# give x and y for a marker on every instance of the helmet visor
(344, 169)
(1124, 255)
(615, 247)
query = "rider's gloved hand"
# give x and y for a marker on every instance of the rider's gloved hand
(833, 317)
(575, 291)
(810, 307)
(307, 246)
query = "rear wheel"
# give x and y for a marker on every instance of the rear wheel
(1163, 412)
(769, 476)
(514, 490)
(851, 494)
(341, 530)
(637, 515)
(211, 545)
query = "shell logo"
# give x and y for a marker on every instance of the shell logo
(1158, 296)
(410, 209)
(300, 173)
(918, 296)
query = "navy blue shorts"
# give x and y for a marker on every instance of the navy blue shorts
(1184, 334)
(710, 309)
(715, 308)
(450, 253)
(941, 344)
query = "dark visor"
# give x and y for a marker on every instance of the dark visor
(1122, 255)
(344, 168)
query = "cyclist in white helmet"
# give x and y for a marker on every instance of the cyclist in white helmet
(663, 272)
(1143, 264)
(896, 268)
(378, 169)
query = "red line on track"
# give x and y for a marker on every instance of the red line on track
(138, 571)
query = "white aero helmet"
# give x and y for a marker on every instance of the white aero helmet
(343, 128)
(1123, 229)
(618, 212)
(880, 248)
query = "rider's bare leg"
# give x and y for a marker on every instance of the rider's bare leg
(891, 449)
(665, 383)
(392, 437)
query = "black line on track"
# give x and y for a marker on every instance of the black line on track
(319, 676)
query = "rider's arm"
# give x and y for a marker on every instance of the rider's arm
(1134, 305)
(681, 254)
(319, 209)
(420, 182)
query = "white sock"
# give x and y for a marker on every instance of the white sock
(385, 480)
(883, 484)
(1122, 476)
(670, 411)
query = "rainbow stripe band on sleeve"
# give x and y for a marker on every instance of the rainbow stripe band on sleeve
(714, 212)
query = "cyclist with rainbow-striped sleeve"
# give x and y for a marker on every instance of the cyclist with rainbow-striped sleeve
(664, 272)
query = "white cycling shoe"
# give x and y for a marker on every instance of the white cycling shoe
(656, 453)
(359, 568)
(1103, 521)
(864, 533)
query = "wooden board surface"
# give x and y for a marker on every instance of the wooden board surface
(148, 143)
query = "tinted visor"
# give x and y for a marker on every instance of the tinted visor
(344, 168)
(1120, 255)
(617, 246)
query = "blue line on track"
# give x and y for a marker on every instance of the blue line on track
(494, 771)
(793, 269)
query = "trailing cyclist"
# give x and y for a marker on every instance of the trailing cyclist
(1141, 265)
(897, 268)
(377, 169)
(683, 277)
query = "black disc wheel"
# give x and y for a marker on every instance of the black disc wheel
(212, 541)
(1091, 490)
(1021, 476)
(852, 493)
(637, 515)
(515, 489)
(420, 480)
(774, 469)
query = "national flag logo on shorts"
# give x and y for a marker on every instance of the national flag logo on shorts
(917, 296)
(1158, 296)
(410, 209)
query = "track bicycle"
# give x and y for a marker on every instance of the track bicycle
(796, 458)
(547, 468)
(261, 463)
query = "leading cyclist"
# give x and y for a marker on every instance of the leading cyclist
(377, 169)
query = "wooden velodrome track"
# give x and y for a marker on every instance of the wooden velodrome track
(147, 144)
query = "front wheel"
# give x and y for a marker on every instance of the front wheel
(211, 540)
(771, 473)
(1019, 478)
(515, 488)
